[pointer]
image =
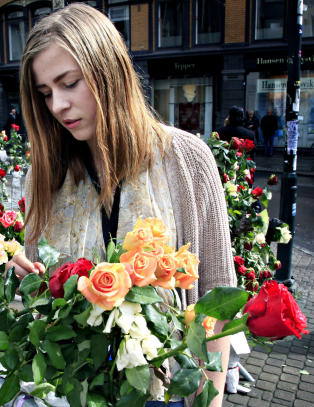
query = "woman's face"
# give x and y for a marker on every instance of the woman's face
(59, 79)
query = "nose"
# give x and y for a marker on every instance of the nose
(58, 103)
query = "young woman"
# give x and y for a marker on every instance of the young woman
(100, 159)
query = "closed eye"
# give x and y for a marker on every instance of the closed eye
(72, 85)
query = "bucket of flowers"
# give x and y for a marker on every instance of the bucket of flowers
(93, 334)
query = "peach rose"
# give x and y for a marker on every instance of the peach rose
(166, 268)
(106, 286)
(189, 262)
(157, 227)
(143, 266)
(138, 238)
(208, 322)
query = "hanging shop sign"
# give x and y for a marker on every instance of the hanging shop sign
(280, 85)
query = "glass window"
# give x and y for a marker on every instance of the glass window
(16, 35)
(170, 23)
(120, 16)
(308, 18)
(269, 22)
(209, 19)
(39, 13)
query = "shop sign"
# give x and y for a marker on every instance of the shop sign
(280, 85)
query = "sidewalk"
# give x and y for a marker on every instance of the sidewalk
(284, 373)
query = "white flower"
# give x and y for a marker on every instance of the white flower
(95, 316)
(125, 315)
(110, 322)
(260, 238)
(150, 346)
(285, 235)
(231, 188)
(139, 328)
(247, 173)
(236, 166)
(130, 354)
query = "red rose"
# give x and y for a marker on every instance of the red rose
(15, 127)
(256, 192)
(277, 265)
(238, 154)
(237, 144)
(1, 209)
(252, 286)
(242, 270)
(225, 178)
(2, 173)
(81, 267)
(250, 275)
(239, 261)
(249, 181)
(18, 226)
(5, 137)
(248, 145)
(272, 180)
(17, 168)
(248, 246)
(58, 278)
(22, 204)
(274, 313)
(8, 218)
(241, 187)
(267, 274)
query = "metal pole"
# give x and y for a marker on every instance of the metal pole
(288, 194)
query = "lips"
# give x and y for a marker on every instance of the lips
(71, 124)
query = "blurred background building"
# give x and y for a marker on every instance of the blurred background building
(196, 58)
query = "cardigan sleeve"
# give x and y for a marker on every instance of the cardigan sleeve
(200, 211)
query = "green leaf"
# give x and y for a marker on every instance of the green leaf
(26, 373)
(4, 341)
(11, 283)
(205, 398)
(83, 316)
(11, 358)
(176, 322)
(70, 286)
(186, 361)
(54, 353)
(215, 363)
(43, 299)
(196, 338)
(58, 303)
(37, 331)
(143, 295)
(48, 254)
(222, 303)
(20, 329)
(157, 318)
(185, 382)
(134, 398)
(60, 333)
(74, 396)
(237, 325)
(39, 367)
(42, 390)
(99, 380)
(99, 349)
(96, 400)
(30, 283)
(181, 270)
(110, 250)
(139, 377)
(1, 286)
(9, 389)
(6, 319)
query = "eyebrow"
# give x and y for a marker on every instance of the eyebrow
(58, 78)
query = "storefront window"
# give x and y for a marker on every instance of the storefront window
(170, 23)
(267, 91)
(269, 20)
(16, 33)
(39, 13)
(209, 18)
(308, 18)
(185, 103)
(120, 16)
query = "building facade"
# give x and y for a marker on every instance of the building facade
(196, 58)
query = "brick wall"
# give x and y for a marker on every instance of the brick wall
(235, 21)
(139, 27)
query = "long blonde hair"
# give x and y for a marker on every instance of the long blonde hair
(126, 130)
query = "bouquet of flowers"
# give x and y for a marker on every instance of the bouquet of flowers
(93, 334)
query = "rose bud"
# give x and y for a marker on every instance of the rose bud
(5, 137)
(256, 192)
(267, 274)
(242, 270)
(225, 178)
(18, 226)
(277, 265)
(238, 260)
(250, 275)
(272, 180)
(248, 246)
(17, 168)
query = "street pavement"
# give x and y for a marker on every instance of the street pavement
(284, 371)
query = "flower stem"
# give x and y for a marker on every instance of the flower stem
(172, 352)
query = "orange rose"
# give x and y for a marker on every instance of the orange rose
(106, 286)
(166, 268)
(189, 262)
(143, 265)
(208, 322)
(157, 227)
(138, 238)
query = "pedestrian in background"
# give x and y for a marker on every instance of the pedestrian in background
(235, 126)
(269, 125)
